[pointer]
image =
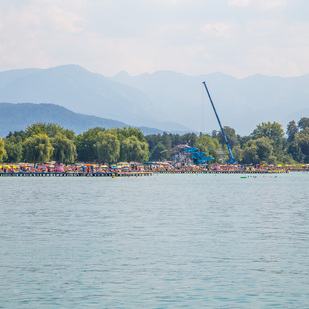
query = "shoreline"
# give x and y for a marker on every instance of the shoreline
(73, 174)
(133, 174)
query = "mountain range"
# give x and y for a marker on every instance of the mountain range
(81, 91)
(165, 100)
(240, 103)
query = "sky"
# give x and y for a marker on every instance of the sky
(235, 37)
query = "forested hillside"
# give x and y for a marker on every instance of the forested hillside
(16, 117)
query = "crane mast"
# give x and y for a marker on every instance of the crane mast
(231, 157)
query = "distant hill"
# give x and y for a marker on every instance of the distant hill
(81, 91)
(240, 103)
(16, 117)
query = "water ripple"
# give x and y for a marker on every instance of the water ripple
(165, 241)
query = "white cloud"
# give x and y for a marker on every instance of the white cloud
(263, 4)
(240, 3)
(64, 21)
(272, 4)
(218, 29)
(238, 37)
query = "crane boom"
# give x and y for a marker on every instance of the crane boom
(154, 149)
(231, 157)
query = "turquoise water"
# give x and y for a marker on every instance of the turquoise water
(167, 241)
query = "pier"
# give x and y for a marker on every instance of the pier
(78, 174)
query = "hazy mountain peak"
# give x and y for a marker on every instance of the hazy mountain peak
(122, 74)
(68, 68)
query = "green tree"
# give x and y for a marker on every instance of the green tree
(243, 140)
(208, 145)
(292, 129)
(303, 123)
(258, 151)
(176, 139)
(2, 150)
(189, 138)
(134, 150)
(299, 147)
(273, 131)
(214, 133)
(303, 141)
(166, 141)
(37, 148)
(238, 153)
(159, 153)
(14, 149)
(85, 145)
(107, 147)
(18, 134)
(231, 137)
(205, 143)
(126, 132)
(264, 149)
(295, 151)
(153, 140)
(249, 154)
(50, 129)
(64, 149)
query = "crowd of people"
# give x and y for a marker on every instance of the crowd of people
(69, 168)
(139, 167)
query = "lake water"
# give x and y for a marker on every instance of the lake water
(166, 241)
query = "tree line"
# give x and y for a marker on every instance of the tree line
(42, 142)
(267, 144)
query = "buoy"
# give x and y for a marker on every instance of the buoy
(113, 175)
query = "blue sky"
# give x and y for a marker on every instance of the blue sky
(236, 37)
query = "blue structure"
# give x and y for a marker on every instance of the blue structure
(196, 156)
(231, 157)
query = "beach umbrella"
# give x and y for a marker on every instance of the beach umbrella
(6, 166)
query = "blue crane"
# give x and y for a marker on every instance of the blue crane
(231, 157)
